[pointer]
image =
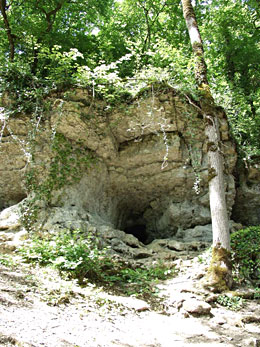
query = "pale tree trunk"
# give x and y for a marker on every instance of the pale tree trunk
(220, 273)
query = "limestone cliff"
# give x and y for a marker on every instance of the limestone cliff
(148, 170)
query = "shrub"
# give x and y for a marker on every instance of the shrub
(69, 252)
(245, 245)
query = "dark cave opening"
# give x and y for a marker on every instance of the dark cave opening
(139, 231)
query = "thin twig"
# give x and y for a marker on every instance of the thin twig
(192, 103)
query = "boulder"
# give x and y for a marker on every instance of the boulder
(196, 307)
(10, 218)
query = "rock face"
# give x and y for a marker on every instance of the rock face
(12, 232)
(12, 161)
(247, 203)
(149, 176)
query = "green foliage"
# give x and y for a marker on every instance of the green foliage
(69, 252)
(66, 167)
(257, 293)
(59, 70)
(121, 47)
(68, 162)
(25, 91)
(7, 260)
(233, 53)
(79, 255)
(137, 281)
(233, 303)
(101, 38)
(245, 245)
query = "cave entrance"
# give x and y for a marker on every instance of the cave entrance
(139, 231)
(135, 224)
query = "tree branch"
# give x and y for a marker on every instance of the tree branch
(150, 24)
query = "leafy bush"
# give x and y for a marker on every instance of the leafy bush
(67, 251)
(79, 256)
(245, 245)
(24, 90)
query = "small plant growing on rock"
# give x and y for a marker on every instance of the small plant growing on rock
(233, 303)
(138, 281)
(7, 260)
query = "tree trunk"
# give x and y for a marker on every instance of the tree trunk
(10, 36)
(220, 272)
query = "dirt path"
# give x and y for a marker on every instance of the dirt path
(37, 308)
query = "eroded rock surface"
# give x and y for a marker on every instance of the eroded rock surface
(150, 155)
(247, 203)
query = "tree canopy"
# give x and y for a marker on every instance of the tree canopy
(127, 43)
